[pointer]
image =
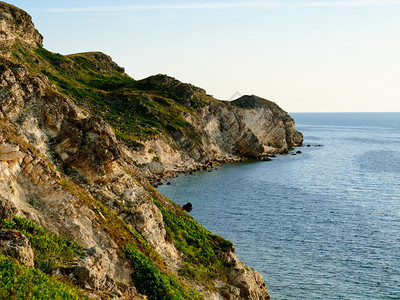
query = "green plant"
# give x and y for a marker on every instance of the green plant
(135, 110)
(198, 245)
(150, 281)
(51, 251)
(19, 282)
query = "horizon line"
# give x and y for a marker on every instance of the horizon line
(344, 112)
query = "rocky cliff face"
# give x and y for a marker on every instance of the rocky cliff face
(249, 127)
(16, 26)
(75, 156)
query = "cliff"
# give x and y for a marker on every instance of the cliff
(79, 140)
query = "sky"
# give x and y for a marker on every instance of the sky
(305, 55)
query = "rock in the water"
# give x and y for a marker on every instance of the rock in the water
(188, 207)
(16, 245)
(299, 152)
(168, 183)
(266, 158)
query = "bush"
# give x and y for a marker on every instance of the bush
(51, 251)
(198, 245)
(19, 282)
(149, 280)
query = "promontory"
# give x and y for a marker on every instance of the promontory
(81, 143)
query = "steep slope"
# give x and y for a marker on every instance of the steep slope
(78, 141)
(168, 125)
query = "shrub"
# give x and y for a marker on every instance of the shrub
(19, 282)
(51, 251)
(149, 280)
(198, 245)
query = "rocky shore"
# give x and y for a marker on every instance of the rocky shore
(80, 142)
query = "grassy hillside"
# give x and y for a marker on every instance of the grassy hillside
(135, 109)
(50, 252)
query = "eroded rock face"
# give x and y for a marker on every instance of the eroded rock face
(16, 24)
(55, 142)
(53, 132)
(88, 145)
(9, 152)
(16, 245)
(7, 209)
(249, 282)
(249, 127)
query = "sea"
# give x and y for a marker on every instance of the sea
(321, 224)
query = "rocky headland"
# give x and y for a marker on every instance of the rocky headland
(80, 143)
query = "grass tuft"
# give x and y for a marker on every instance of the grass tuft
(50, 251)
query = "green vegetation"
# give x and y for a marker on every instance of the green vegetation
(50, 250)
(134, 109)
(19, 282)
(151, 276)
(120, 232)
(150, 281)
(197, 244)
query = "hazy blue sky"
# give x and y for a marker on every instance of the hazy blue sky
(306, 55)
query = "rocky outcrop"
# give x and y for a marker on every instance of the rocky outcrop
(216, 131)
(7, 209)
(249, 127)
(16, 25)
(17, 246)
(62, 165)
(186, 94)
(249, 282)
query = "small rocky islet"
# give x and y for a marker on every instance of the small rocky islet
(81, 143)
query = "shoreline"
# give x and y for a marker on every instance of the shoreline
(157, 181)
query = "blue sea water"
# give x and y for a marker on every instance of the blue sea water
(324, 224)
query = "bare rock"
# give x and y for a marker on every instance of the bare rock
(9, 152)
(248, 281)
(7, 209)
(156, 167)
(16, 24)
(16, 245)
(93, 271)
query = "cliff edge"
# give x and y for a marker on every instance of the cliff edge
(79, 140)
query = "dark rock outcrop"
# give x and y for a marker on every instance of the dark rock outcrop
(17, 246)
(187, 207)
(7, 209)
